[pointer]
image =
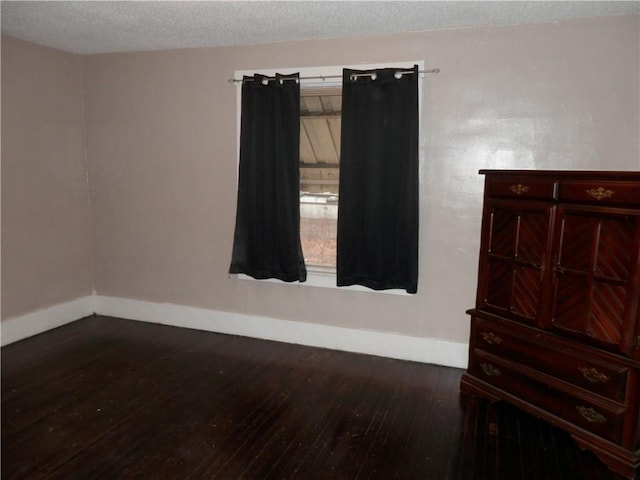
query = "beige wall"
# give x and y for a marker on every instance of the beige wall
(46, 244)
(162, 152)
(161, 143)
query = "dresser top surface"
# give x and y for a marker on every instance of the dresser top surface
(585, 174)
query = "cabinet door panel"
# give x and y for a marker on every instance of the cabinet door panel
(593, 269)
(615, 249)
(607, 311)
(571, 302)
(504, 223)
(515, 261)
(526, 291)
(532, 236)
(500, 284)
(577, 243)
(594, 310)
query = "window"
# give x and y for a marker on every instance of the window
(320, 110)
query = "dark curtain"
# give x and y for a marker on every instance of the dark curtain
(267, 233)
(378, 202)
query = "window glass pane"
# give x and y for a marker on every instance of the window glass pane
(320, 111)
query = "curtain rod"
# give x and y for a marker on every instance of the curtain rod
(324, 77)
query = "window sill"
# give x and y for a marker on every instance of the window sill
(324, 280)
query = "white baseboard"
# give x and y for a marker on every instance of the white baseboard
(18, 328)
(385, 344)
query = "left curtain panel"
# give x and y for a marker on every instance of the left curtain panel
(267, 235)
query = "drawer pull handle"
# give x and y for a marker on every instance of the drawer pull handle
(593, 375)
(590, 415)
(489, 370)
(491, 338)
(519, 189)
(600, 193)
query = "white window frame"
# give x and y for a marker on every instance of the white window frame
(315, 277)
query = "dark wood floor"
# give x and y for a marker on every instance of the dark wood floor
(106, 398)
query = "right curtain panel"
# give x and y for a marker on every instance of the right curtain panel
(378, 201)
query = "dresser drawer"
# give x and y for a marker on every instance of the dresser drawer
(601, 193)
(522, 187)
(539, 353)
(602, 418)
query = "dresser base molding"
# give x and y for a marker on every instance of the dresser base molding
(616, 458)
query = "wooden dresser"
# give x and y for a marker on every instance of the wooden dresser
(556, 329)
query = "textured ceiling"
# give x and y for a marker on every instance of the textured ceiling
(89, 27)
